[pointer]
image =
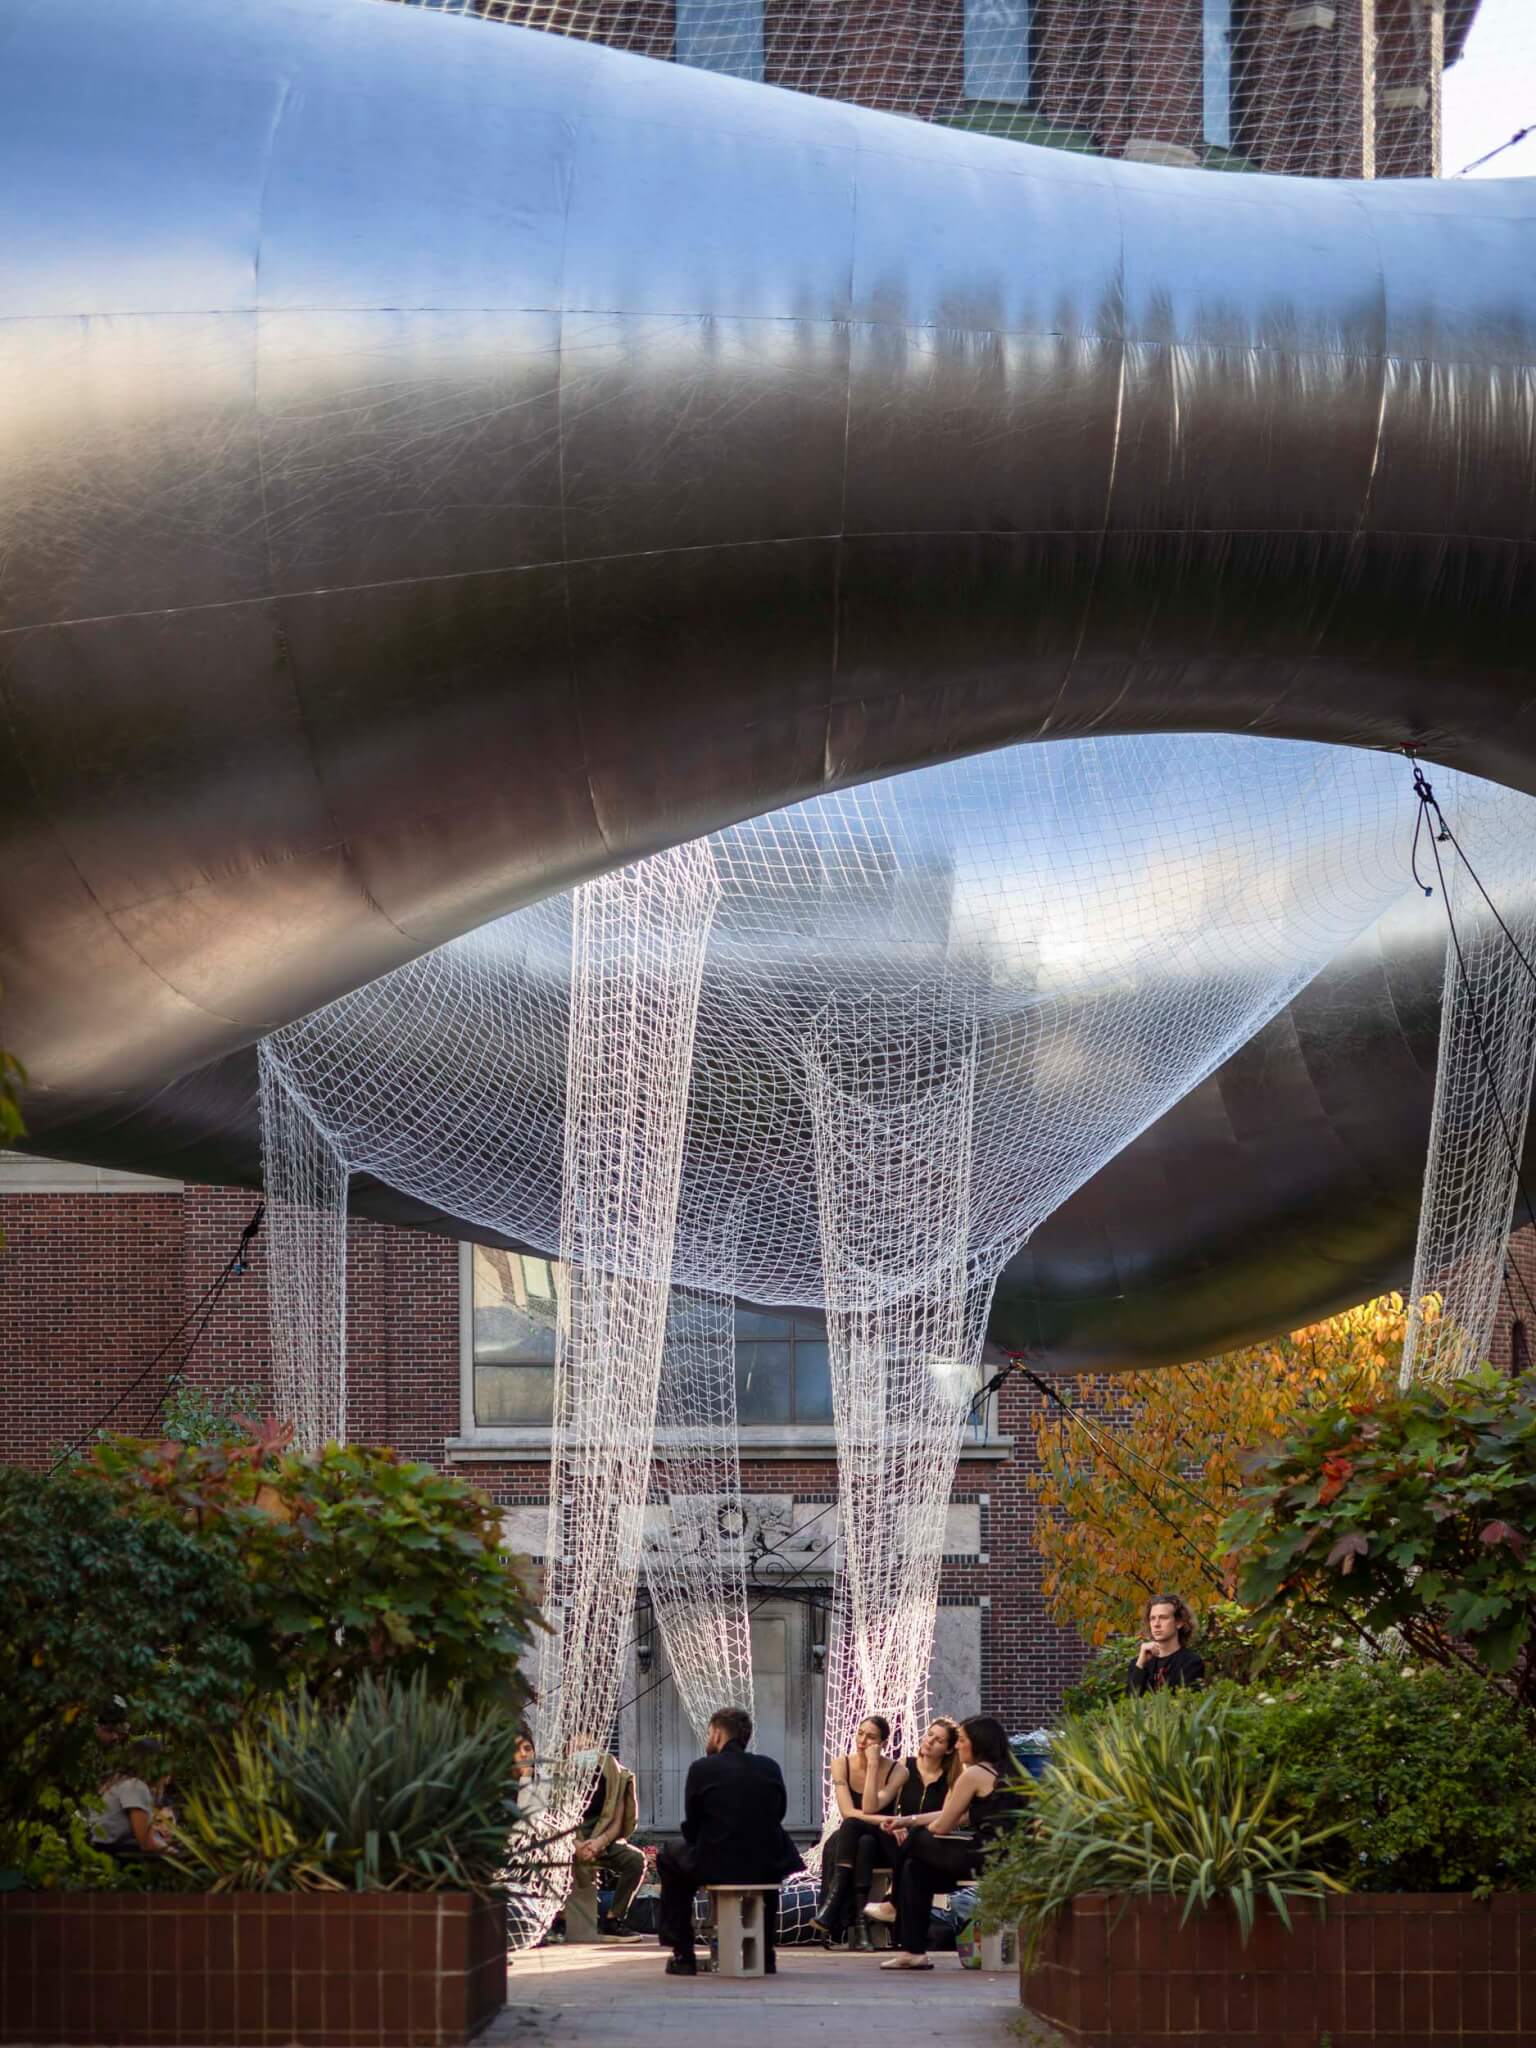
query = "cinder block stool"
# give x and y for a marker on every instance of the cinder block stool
(739, 1928)
(581, 1907)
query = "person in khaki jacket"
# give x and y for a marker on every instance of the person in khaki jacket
(602, 1846)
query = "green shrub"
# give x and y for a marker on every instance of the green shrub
(1429, 1774)
(403, 1789)
(100, 1601)
(206, 1415)
(1155, 1796)
(358, 1561)
(1416, 1515)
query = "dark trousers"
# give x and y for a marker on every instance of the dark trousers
(932, 1863)
(857, 1845)
(679, 1878)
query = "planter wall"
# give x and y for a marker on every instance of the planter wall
(1383, 1970)
(250, 1969)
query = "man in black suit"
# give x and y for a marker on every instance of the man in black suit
(733, 1833)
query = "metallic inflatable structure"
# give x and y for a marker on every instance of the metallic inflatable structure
(442, 463)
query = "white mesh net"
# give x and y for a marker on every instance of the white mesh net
(696, 1563)
(638, 941)
(306, 1249)
(1352, 89)
(928, 1011)
(891, 1081)
(1482, 1080)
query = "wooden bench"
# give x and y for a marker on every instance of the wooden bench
(739, 1930)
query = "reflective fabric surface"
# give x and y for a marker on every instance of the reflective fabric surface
(440, 461)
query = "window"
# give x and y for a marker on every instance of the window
(1216, 104)
(512, 1303)
(515, 1301)
(997, 53)
(720, 35)
(783, 1370)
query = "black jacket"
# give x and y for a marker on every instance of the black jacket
(733, 1819)
(1167, 1673)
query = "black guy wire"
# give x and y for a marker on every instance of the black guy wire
(1478, 161)
(210, 1295)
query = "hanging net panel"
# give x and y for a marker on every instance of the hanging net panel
(1485, 871)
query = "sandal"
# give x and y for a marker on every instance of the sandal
(905, 1962)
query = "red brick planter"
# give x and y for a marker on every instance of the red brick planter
(250, 1969)
(1382, 1970)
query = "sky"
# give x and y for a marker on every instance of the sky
(1492, 92)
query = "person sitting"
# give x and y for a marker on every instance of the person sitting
(124, 1823)
(1165, 1660)
(860, 1845)
(734, 1804)
(602, 1845)
(531, 1795)
(938, 1851)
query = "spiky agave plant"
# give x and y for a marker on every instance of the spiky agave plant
(1154, 1797)
(402, 1790)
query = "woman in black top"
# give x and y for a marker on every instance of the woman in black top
(865, 1784)
(939, 1851)
(1165, 1660)
(922, 1785)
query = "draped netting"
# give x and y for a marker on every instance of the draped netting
(696, 1563)
(638, 941)
(305, 1179)
(1352, 89)
(846, 1056)
(1483, 1078)
(891, 1080)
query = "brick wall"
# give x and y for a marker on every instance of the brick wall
(92, 1286)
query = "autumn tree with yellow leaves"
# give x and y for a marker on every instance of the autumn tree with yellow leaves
(1135, 1492)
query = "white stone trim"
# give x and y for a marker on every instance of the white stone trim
(21, 1174)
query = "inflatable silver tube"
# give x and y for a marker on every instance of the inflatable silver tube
(441, 461)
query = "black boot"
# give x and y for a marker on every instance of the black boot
(831, 1919)
(859, 1938)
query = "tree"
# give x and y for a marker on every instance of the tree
(1415, 1515)
(1135, 1500)
(98, 1602)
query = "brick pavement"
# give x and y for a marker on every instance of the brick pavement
(618, 1998)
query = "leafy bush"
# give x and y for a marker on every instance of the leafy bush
(96, 1602)
(357, 1560)
(1155, 1796)
(205, 1415)
(401, 1790)
(1429, 1774)
(1413, 1515)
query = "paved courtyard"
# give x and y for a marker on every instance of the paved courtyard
(619, 1998)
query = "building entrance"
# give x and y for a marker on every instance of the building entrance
(787, 1635)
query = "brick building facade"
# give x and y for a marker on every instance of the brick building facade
(100, 1271)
